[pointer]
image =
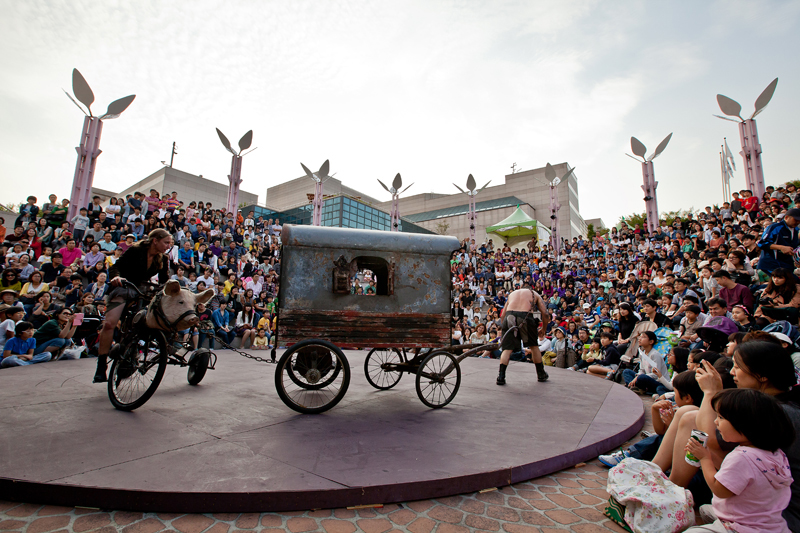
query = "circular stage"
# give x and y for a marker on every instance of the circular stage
(231, 445)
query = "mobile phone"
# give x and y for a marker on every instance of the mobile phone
(77, 319)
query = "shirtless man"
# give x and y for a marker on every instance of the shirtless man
(524, 306)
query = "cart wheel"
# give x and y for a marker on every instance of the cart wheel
(437, 385)
(312, 376)
(379, 377)
(198, 366)
(134, 377)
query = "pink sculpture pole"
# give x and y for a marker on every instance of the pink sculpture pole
(751, 154)
(395, 191)
(472, 214)
(649, 177)
(319, 178)
(555, 235)
(89, 148)
(235, 180)
(650, 202)
(748, 133)
(318, 198)
(235, 177)
(88, 151)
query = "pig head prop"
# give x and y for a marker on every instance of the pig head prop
(174, 308)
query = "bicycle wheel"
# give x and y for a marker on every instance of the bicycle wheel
(198, 366)
(378, 367)
(312, 376)
(135, 376)
(437, 384)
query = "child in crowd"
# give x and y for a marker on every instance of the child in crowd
(18, 350)
(588, 357)
(753, 485)
(261, 342)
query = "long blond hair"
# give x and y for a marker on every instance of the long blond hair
(155, 235)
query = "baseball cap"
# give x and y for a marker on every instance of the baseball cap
(794, 213)
(781, 337)
(587, 306)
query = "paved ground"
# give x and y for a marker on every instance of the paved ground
(570, 500)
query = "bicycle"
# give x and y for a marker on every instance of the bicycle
(140, 358)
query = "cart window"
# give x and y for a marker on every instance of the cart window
(373, 278)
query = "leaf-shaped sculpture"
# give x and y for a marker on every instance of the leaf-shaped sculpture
(565, 176)
(637, 147)
(116, 107)
(385, 187)
(460, 189)
(487, 184)
(724, 118)
(404, 190)
(308, 172)
(81, 90)
(323, 170)
(549, 172)
(764, 98)
(471, 183)
(660, 148)
(246, 141)
(729, 107)
(225, 142)
(75, 102)
(397, 182)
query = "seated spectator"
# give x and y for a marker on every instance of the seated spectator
(18, 350)
(733, 293)
(651, 366)
(56, 334)
(780, 299)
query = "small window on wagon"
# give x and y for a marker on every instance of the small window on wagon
(367, 276)
(372, 277)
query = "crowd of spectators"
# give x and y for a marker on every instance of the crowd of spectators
(669, 313)
(55, 271)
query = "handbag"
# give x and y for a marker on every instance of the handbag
(653, 504)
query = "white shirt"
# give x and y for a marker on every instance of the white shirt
(256, 286)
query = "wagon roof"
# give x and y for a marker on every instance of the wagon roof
(364, 239)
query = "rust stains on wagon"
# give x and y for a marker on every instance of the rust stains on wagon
(313, 304)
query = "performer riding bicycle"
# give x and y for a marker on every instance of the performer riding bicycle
(137, 265)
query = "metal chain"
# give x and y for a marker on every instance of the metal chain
(243, 354)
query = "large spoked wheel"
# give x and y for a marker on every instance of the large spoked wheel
(135, 376)
(198, 366)
(378, 367)
(438, 379)
(312, 376)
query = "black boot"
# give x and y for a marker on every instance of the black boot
(540, 372)
(100, 373)
(501, 377)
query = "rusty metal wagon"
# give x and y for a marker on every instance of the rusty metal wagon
(406, 323)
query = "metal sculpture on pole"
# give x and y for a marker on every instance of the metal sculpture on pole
(650, 184)
(472, 193)
(751, 148)
(555, 205)
(727, 166)
(318, 178)
(235, 177)
(395, 191)
(89, 148)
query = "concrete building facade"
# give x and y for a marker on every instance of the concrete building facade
(189, 188)
(448, 212)
(529, 189)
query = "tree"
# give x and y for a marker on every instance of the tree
(442, 227)
(631, 220)
(590, 233)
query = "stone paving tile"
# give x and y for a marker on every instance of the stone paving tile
(570, 500)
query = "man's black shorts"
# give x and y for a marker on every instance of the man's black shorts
(528, 331)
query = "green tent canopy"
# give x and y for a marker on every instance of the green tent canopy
(518, 228)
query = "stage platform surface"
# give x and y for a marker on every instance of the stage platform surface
(231, 445)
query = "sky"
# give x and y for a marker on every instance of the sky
(434, 90)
